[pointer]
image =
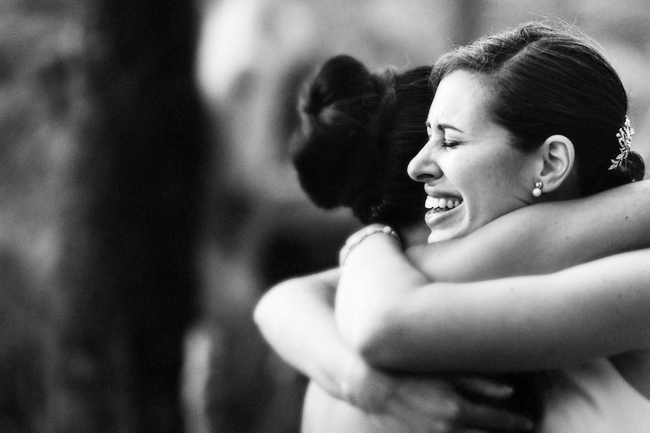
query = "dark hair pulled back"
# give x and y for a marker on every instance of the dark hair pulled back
(549, 79)
(358, 132)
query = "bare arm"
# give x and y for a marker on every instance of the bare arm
(275, 314)
(298, 321)
(533, 240)
(398, 321)
(296, 317)
(544, 238)
(298, 311)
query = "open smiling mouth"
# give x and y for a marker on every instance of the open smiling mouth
(438, 205)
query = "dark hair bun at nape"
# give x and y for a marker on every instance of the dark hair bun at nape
(634, 167)
(331, 149)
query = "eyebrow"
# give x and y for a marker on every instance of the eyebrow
(443, 126)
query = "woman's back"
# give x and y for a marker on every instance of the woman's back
(594, 397)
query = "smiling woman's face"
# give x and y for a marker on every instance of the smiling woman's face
(471, 173)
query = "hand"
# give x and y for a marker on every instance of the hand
(435, 404)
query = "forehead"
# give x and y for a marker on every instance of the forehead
(461, 99)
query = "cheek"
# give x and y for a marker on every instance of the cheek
(493, 188)
(477, 176)
(490, 175)
(505, 171)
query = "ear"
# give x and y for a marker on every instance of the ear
(558, 155)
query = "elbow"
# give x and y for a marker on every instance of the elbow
(377, 341)
(265, 311)
(259, 313)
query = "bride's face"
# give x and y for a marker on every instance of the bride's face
(470, 172)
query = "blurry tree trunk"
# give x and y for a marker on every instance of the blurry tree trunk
(102, 143)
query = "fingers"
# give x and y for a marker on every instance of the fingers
(484, 387)
(435, 405)
(471, 430)
(367, 388)
(484, 417)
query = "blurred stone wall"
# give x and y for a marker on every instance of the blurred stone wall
(101, 179)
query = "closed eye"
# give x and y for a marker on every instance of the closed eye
(449, 144)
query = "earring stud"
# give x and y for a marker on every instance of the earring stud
(538, 188)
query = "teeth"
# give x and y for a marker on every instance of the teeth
(441, 204)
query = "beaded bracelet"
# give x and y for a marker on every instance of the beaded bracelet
(352, 243)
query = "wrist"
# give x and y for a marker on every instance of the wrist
(357, 238)
(365, 387)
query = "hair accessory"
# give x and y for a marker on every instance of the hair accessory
(538, 188)
(624, 136)
(359, 237)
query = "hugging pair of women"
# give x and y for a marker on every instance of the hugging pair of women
(527, 307)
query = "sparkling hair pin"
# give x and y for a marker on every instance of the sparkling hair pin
(624, 136)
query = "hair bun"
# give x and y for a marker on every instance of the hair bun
(631, 169)
(634, 167)
(331, 149)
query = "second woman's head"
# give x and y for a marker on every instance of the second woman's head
(530, 110)
(358, 132)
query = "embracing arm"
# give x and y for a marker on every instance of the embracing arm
(544, 238)
(521, 323)
(537, 239)
(299, 311)
(297, 319)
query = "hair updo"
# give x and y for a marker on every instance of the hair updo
(545, 81)
(358, 132)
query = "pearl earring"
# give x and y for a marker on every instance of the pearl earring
(538, 188)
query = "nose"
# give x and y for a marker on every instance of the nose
(423, 167)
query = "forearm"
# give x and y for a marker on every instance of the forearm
(296, 318)
(376, 277)
(544, 238)
(524, 323)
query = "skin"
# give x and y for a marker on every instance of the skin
(543, 238)
(482, 171)
(297, 316)
(523, 323)
(306, 302)
(388, 311)
(347, 394)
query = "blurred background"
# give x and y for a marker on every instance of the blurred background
(148, 199)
